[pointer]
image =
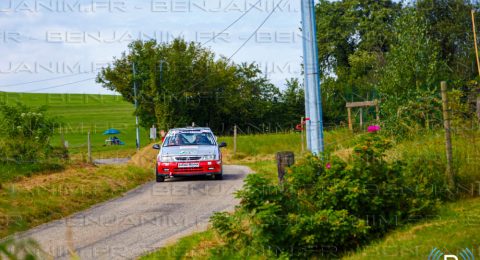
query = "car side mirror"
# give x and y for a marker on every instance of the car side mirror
(156, 147)
(223, 144)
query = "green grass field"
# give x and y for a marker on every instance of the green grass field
(87, 112)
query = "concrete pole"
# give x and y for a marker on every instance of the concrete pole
(313, 98)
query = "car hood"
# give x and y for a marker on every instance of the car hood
(189, 150)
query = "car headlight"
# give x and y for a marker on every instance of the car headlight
(208, 157)
(166, 159)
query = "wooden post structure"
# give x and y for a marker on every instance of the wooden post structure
(301, 134)
(350, 125)
(375, 103)
(361, 118)
(284, 160)
(475, 40)
(89, 145)
(234, 140)
(448, 138)
(478, 108)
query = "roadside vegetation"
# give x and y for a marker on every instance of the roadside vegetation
(32, 201)
(39, 179)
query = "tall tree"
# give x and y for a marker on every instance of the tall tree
(180, 83)
(353, 37)
(449, 26)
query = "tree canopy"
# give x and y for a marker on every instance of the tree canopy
(180, 82)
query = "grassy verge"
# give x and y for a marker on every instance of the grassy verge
(455, 228)
(29, 202)
(196, 246)
(14, 172)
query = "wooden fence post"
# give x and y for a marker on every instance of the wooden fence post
(301, 134)
(89, 148)
(234, 140)
(377, 110)
(448, 137)
(350, 125)
(361, 118)
(284, 160)
(478, 108)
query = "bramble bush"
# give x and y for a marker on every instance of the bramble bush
(326, 203)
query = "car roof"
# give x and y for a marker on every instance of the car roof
(191, 129)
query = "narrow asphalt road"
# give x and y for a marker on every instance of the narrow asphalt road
(144, 219)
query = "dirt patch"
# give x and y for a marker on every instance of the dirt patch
(145, 158)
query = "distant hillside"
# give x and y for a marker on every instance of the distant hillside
(76, 110)
(84, 112)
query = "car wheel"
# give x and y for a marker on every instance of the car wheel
(160, 178)
(218, 176)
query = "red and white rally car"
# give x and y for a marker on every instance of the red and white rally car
(191, 151)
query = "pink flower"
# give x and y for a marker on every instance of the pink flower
(328, 166)
(373, 128)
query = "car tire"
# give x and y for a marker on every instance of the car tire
(160, 178)
(218, 176)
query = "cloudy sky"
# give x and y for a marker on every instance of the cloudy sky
(47, 45)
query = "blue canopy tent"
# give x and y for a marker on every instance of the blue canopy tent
(111, 131)
(113, 140)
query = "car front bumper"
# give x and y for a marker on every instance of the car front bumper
(173, 169)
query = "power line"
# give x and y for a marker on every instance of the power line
(243, 45)
(256, 30)
(42, 80)
(57, 86)
(233, 23)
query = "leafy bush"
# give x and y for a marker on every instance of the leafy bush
(326, 203)
(26, 133)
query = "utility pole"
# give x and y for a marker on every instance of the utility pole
(136, 107)
(313, 97)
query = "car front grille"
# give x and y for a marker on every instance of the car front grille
(188, 158)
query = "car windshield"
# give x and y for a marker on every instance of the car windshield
(189, 138)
